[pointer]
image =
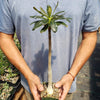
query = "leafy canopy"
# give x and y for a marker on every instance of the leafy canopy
(49, 19)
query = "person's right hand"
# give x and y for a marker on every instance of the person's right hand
(35, 86)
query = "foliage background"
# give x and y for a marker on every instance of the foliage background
(7, 73)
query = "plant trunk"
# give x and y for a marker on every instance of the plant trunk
(49, 59)
(50, 90)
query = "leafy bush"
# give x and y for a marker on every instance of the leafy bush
(4, 62)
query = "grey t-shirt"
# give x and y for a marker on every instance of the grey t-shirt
(15, 16)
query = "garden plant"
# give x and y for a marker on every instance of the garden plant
(50, 20)
(9, 75)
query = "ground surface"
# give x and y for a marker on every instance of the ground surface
(88, 79)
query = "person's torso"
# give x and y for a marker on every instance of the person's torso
(34, 45)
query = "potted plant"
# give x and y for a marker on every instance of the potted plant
(50, 21)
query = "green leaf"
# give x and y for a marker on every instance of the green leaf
(58, 17)
(38, 11)
(61, 17)
(49, 19)
(56, 7)
(33, 16)
(36, 17)
(53, 26)
(36, 25)
(32, 23)
(49, 10)
(43, 11)
(39, 23)
(68, 19)
(59, 12)
(44, 28)
(61, 23)
(2, 71)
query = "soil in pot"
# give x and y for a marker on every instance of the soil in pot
(45, 95)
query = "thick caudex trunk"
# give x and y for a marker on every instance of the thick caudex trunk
(49, 90)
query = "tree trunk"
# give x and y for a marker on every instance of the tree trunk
(49, 59)
(50, 90)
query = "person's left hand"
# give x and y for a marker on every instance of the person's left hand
(64, 86)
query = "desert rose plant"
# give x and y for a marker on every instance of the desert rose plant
(50, 21)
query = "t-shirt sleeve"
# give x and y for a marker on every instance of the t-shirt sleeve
(6, 22)
(92, 16)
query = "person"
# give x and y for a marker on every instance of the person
(67, 60)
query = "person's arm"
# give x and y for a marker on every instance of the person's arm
(13, 54)
(83, 53)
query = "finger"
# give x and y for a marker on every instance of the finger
(35, 94)
(40, 87)
(60, 92)
(58, 84)
(63, 95)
